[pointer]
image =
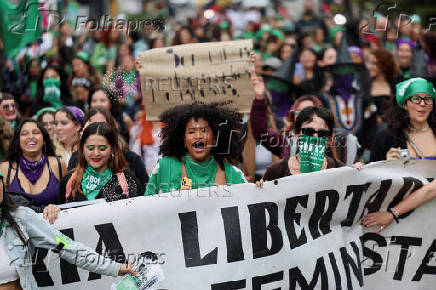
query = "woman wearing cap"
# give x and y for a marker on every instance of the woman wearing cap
(68, 125)
(83, 69)
(411, 123)
(32, 169)
(81, 88)
(22, 231)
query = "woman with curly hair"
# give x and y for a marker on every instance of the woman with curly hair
(200, 142)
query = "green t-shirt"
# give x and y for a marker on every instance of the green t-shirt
(167, 176)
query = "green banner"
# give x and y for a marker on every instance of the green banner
(20, 25)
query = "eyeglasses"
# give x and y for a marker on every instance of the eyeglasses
(321, 133)
(428, 100)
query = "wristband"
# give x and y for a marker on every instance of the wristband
(394, 214)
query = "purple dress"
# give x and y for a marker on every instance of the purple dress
(48, 196)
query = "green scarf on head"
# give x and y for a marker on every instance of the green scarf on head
(201, 173)
(93, 182)
(311, 151)
(412, 87)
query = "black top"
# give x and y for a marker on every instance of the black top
(135, 165)
(384, 140)
(111, 191)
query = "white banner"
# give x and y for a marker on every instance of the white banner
(301, 231)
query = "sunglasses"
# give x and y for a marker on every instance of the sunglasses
(321, 133)
(428, 100)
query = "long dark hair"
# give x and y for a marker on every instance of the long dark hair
(398, 122)
(117, 164)
(7, 206)
(65, 90)
(225, 124)
(15, 149)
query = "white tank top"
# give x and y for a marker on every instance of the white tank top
(7, 270)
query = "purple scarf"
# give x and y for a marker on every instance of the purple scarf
(33, 169)
(343, 85)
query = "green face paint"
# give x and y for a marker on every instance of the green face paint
(102, 147)
(90, 147)
(311, 151)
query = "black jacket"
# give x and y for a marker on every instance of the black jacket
(111, 191)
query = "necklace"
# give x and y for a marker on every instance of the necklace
(425, 129)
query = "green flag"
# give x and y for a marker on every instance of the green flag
(20, 25)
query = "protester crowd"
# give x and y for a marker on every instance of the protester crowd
(73, 126)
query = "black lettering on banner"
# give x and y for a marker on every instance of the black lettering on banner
(39, 269)
(322, 219)
(405, 243)
(230, 285)
(292, 217)
(357, 191)
(374, 256)
(232, 229)
(356, 266)
(375, 201)
(425, 268)
(191, 244)
(69, 272)
(260, 230)
(114, 249)
(408, 182)
(295, 277)
(335, 270)
(258, 281)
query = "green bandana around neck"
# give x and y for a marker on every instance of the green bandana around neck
(311, 150)
(93, 182)
(412, 87)
(202, 173)
(52, 92)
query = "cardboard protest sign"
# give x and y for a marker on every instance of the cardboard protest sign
(301, 232)
(206, 72)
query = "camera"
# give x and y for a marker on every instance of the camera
(404, 153)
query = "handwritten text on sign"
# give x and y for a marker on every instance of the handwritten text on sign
(206, 72)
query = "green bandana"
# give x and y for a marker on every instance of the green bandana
(52, 92)
(43, 110)
(412, 87)
(93, 182)
(311, 151)
(201, 173)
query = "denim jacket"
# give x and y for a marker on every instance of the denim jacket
(39, 233)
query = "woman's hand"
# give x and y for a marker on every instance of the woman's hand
(358, 165)
(51, 213)
(393, 154)
(258, 85)
(380, 218)
(260, 183)
(127, 269)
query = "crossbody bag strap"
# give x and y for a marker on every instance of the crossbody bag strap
(418, 152)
